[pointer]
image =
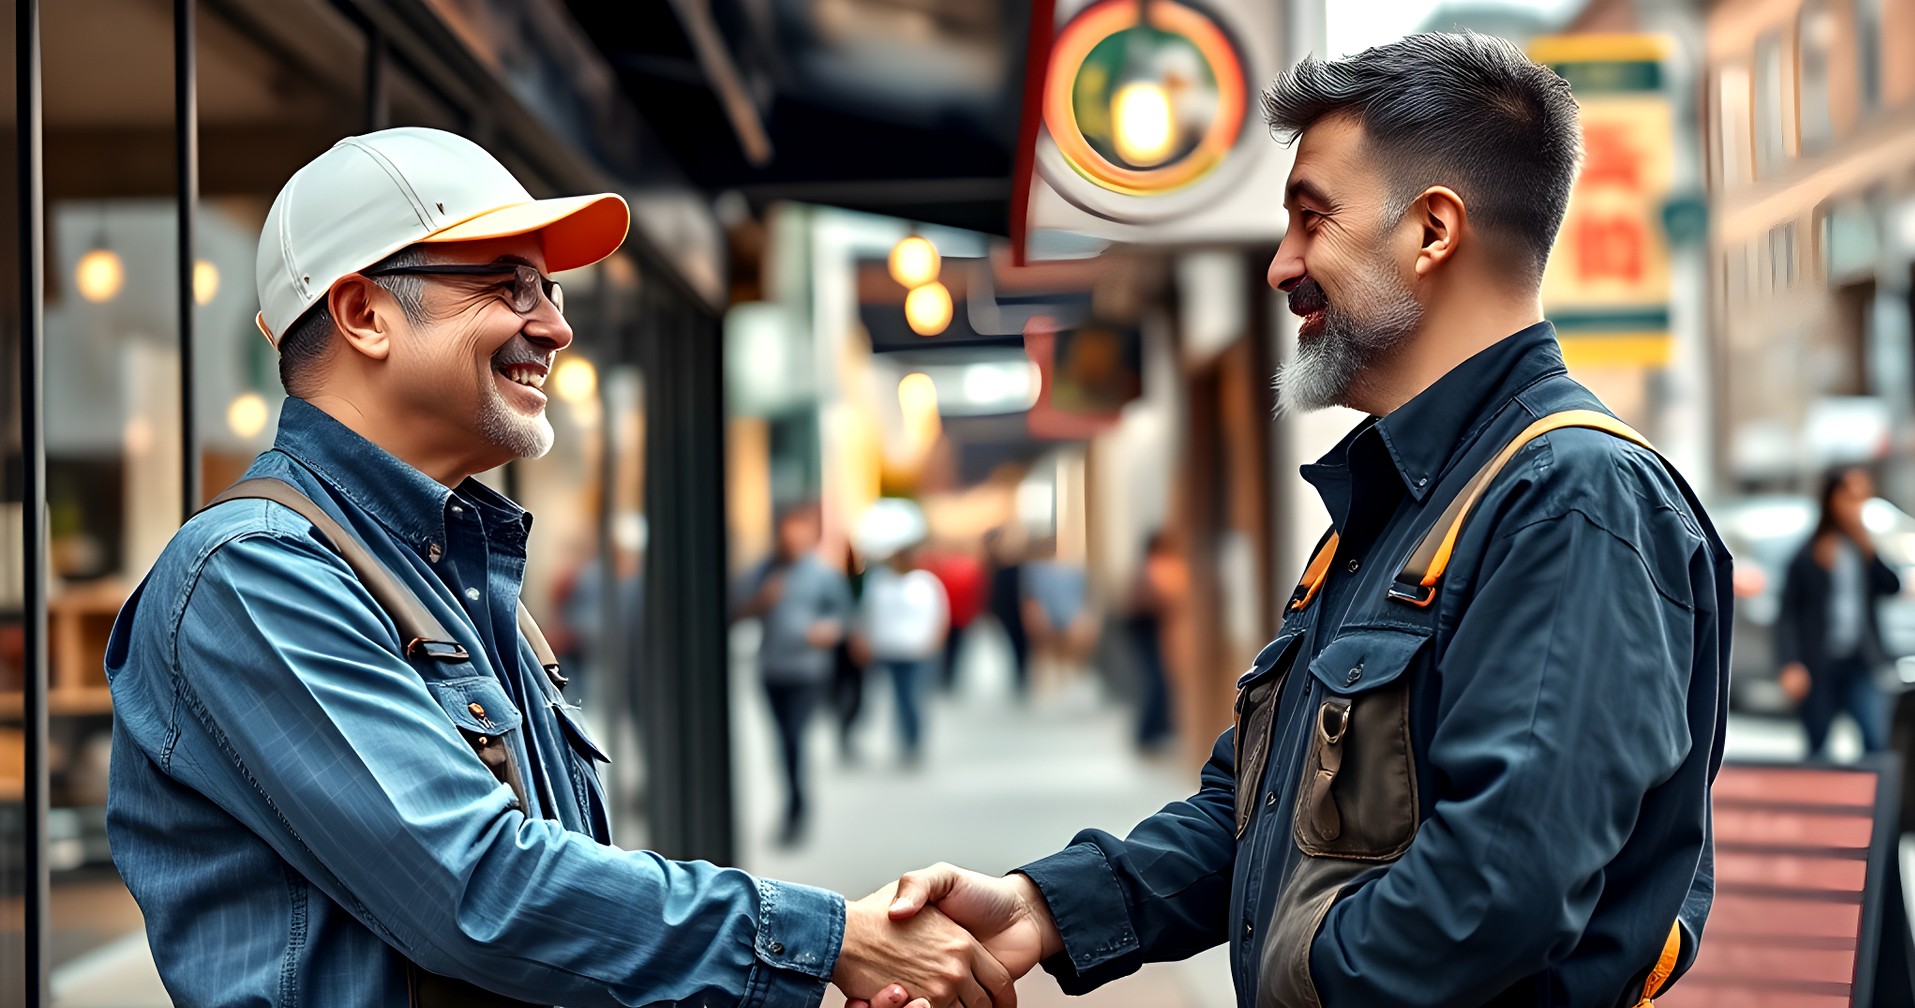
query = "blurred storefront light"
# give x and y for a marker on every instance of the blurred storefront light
(1144, 123)
(918, 400)
(575, 380)
(100, 275)
(914, 262)
(246, 416)
(928, 309)
(205, 282)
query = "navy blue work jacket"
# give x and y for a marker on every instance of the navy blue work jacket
(1567, 699)
(293, 806)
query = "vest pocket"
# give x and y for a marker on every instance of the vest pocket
(1357, 797)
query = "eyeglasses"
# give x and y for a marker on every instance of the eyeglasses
(527, 283)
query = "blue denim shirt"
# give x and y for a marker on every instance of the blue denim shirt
(294, 809)
(1567, 700)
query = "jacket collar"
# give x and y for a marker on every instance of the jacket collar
(406, 501)
(1425, 434)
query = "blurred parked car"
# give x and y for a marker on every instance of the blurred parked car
(1763, 533)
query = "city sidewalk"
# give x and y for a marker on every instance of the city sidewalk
(1002, 782)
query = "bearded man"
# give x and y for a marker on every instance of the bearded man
(344, 769)
(1474, 766)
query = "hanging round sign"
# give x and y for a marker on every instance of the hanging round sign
(1143, 96)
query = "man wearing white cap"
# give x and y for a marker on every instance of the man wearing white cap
(344, 772)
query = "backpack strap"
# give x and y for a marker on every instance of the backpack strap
(423, 635)
(1316, 572)
(541, 649)
(1416, 582)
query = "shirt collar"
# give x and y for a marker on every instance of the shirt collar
(1423, 434)
(403, 499)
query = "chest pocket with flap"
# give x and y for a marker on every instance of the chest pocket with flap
(1357, 798)
(482, 712)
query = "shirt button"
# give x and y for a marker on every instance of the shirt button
(1270, 799)
(1355, 674)
(456, 509)
(433, 552)
(777, 948)
(476, 709)
(1354, 564)
(472, 593)
(1420, 480)
(1247, 929)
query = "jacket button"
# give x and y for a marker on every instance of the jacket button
(1354, 564)
(1355, 674)
(777, 948)
(484, 741)
(477, 711)
(1270, 799)
(1420, 480)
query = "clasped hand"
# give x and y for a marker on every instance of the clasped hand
(942, 937)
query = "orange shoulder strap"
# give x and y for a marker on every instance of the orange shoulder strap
(1416, 583)
(1665, 965)
(1314, 574)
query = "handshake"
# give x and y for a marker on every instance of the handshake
(944, 937)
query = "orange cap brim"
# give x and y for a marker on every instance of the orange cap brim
(578, 230)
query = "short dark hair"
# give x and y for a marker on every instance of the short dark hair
(1463, 110)
(309, 339)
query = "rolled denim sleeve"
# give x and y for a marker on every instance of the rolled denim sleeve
(332, 749)
(1565, 701)
(1161, 893)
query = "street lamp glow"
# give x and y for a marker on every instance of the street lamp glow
(99, 276)
(914, 262)
(918, 401)
(1143, 123)
(205, 282)
(576, 380)
(246, 416)
(928, 309)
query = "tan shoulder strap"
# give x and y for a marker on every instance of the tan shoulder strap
(425, 637)
(540, 647)
(1416, 583)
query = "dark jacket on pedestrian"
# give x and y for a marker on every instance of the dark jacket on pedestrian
(1802, 627)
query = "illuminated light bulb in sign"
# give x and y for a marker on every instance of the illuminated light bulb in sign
(205, 282)
(928, 309)
(99, 276)
(1144, 123)
(914, 262)
(246, 416)
(576, 380)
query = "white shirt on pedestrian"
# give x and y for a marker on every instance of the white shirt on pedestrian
(905, 615)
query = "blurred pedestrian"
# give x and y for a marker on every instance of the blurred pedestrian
(1825, 635)
(848, 664)
(905, 612)
(1007, 600)
(1162, 582)
(962, 575)
(1056, 614)
(806, 607)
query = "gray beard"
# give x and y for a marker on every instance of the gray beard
(524, 436)
(505, 427)
(1361, 327)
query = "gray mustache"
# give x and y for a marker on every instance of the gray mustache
(518, 351)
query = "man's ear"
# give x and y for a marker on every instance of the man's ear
(1442, 216)
(364, 313)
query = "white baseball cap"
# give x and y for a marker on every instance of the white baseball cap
(370, 196)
